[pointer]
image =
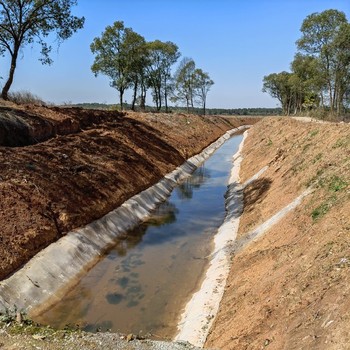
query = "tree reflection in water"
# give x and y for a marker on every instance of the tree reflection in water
(165, 214)
(185, 190)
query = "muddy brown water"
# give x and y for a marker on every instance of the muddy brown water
(142, 284)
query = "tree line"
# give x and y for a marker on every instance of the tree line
(123, 55)
(253, 111)
(131, 62)
(320, 71)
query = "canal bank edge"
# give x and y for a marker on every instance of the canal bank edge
(200, 311)
(46, 278)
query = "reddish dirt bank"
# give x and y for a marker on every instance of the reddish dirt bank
(291, 288)
(90, 163)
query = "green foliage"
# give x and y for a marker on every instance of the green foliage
(162, 55)
(317, 158)
(342, 142)
(119, 55)
(278, 86)
(130, 62)
(320, 211)
(337, 184)
(26, 22)
(326, 38)
(191, 85)
(203, 84)
(314, 132)
(321, 69)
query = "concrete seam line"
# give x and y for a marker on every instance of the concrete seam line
(267, 224)
(58, 267)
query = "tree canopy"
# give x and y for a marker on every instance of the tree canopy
(118, 55)
(24, 22)
(320, 71)
(133, 63)
(191, 84)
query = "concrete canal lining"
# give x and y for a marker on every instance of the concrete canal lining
(51, 273)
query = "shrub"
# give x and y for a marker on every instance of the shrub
(25, 97)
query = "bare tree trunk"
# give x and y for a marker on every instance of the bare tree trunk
(143, 97)
(331, 102)
(134, 97)
(6, 88)
(322, 100)
(159, 99)
(121, 93)
(165, 95)
(166, 100)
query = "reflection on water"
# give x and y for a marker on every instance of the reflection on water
(143, 283)
(185, 189)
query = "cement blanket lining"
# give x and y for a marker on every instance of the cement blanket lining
(53, 271)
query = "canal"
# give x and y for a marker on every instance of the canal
(143, 283)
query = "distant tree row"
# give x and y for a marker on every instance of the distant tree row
(131, 62)
(320, 71)
(196, 110)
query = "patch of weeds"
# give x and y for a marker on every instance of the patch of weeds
(306, 147)
(315, 180)
(317, 158)
(7, 317)
(313, 133)
(16, 321)
(320, 211)
(300, 166)
(323, 209)
(342, 142)
(337, 184)
(269, 142)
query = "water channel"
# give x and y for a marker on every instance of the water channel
(142, 284)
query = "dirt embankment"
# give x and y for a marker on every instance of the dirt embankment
(290, 289)
(90, 163)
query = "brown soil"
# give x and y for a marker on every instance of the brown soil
(290, 289)
(90, 163)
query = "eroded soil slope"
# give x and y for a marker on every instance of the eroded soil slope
(291, 288)
(90, 163)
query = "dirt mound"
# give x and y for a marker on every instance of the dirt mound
(91, 162)
(290, 289)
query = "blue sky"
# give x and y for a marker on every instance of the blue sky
(236, 41)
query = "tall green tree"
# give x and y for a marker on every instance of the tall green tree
(185, 83)
(279, 86)
(203, 83)
(310, 81)
(118, 55)
(24, 22)
(320, 39)
(161, 55)
(342, 47)
(137, 62)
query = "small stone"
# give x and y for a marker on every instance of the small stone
(129, 337)
(18, 317)
(267, 342)
(38, 337)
